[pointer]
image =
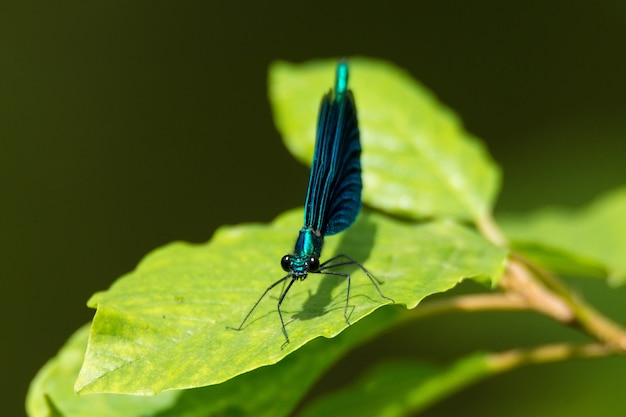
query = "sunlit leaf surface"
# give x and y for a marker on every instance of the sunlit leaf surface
(164, 325)
(589, 241)
(417, 159)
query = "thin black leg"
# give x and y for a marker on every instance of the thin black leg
(347, 276)
(259, 300)
(323, 269)
(280, 314)
(349, 261)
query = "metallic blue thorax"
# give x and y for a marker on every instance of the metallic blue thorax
(309, 244)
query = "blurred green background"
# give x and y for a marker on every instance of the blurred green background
(126, 125)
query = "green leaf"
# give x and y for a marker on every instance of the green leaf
(163, 326)
(417, 160)
(55, 381)
(52, 408)
(401, 388)
(560, 261)
(51, 391)
(589, 241)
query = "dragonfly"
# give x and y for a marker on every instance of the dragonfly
(333, 199)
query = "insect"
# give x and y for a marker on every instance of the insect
(333, 199)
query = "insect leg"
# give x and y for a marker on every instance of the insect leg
(280, 314)
(349, 261)
(259, 300)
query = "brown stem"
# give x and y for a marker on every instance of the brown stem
(519, 280)
(504, 361)
(490, 230)
(472, 302)
(543, 292)
(586, 316)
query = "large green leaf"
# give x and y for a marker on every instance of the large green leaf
(51, 392)
(589, 241)
(417, 159)
(401, 388)
(163, 326)
(54, 382)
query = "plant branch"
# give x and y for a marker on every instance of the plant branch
(586, 317)
(472, 302)
(489, 229)
(505, 361)
(543, 292)
(523, 291)
(528, 299)
(518, 279)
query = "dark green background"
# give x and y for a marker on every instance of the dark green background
(126, 125)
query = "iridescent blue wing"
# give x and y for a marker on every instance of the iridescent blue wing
(334, 196)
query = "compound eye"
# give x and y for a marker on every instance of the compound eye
(285, 263)
(314, 264)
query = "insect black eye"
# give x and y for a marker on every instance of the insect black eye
(313, 264)
(285, 263)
